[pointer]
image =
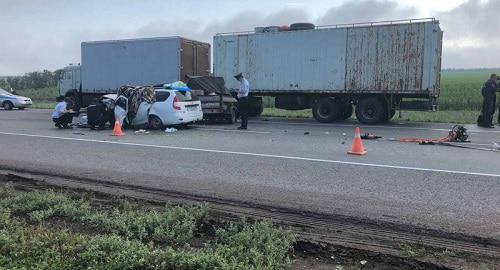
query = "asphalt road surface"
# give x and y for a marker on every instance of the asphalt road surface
(296, 164)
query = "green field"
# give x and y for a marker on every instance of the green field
(460, 99)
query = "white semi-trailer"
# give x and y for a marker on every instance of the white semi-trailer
(377, 67)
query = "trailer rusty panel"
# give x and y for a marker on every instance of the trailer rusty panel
(385, 59)
(195, 59)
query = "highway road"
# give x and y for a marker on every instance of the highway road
(298, 164)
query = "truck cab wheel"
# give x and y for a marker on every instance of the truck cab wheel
(371, 110)
(155, 122)
(346, 112)
(326, 110)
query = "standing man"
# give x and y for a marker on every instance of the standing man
(489, 99)
(61, 116)
(243, 100)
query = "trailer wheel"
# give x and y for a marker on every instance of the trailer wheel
(255, 106)
(155, 122)
(326, 110)
(346, 112)
(232, 116)
(371, 110)
(390, 115)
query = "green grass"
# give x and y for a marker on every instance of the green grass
(46, 95)
(52, 230)
(461, 90)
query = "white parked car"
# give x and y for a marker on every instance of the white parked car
(171, 108)
(9, 101)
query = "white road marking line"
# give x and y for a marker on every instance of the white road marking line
(233, 130)
(402, 127)
(255, 154)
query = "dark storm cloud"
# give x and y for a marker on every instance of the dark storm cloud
(472, 34)
(366, 11)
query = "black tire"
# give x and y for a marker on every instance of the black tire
(255, 109)
(371, 110)
(231, 116)
(7, 105)
(301, 26)
(326, 110)
(346, 112)
(390, 115)
(73, 103)
(155, 122)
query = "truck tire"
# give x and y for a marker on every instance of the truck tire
(371, 110)
(7, 105)
(346, 112)
(73, 103)
(326, 110)
(301, 26)
(390, 115)
(155, 122)
(231, 116)
(255, 106)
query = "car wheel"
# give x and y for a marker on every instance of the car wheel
(231, 117)
(326, 110)
(371, 110)
(8, 105)
(155, 122)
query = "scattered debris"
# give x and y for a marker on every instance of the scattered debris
(456, 134)
(141, 131)
(496, 146)
(170, 130)
(368, 136)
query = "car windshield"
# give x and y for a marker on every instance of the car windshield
(3, 92)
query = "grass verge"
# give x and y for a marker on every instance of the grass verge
(51, 230)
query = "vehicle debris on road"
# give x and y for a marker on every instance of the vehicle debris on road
(170, 130)
(456, 134)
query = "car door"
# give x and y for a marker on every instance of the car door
(142, 116)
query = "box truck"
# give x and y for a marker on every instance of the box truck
(107, 65)
(371, 69)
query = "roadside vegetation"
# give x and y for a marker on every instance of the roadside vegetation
(52, 230)
(459, 101)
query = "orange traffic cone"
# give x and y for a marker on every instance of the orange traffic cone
(357, 144)
(117, 130)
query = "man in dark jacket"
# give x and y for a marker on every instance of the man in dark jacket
(489, 99)
(97, 115)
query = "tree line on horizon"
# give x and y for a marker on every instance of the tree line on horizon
(31, 80)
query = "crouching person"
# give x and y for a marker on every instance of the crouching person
(61, 116)
(96, 115)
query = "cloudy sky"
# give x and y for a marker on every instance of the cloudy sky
(46, 34)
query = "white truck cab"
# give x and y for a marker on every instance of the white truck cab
(70, 79)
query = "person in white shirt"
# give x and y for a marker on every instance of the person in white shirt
(243, 100)
(61, 116)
